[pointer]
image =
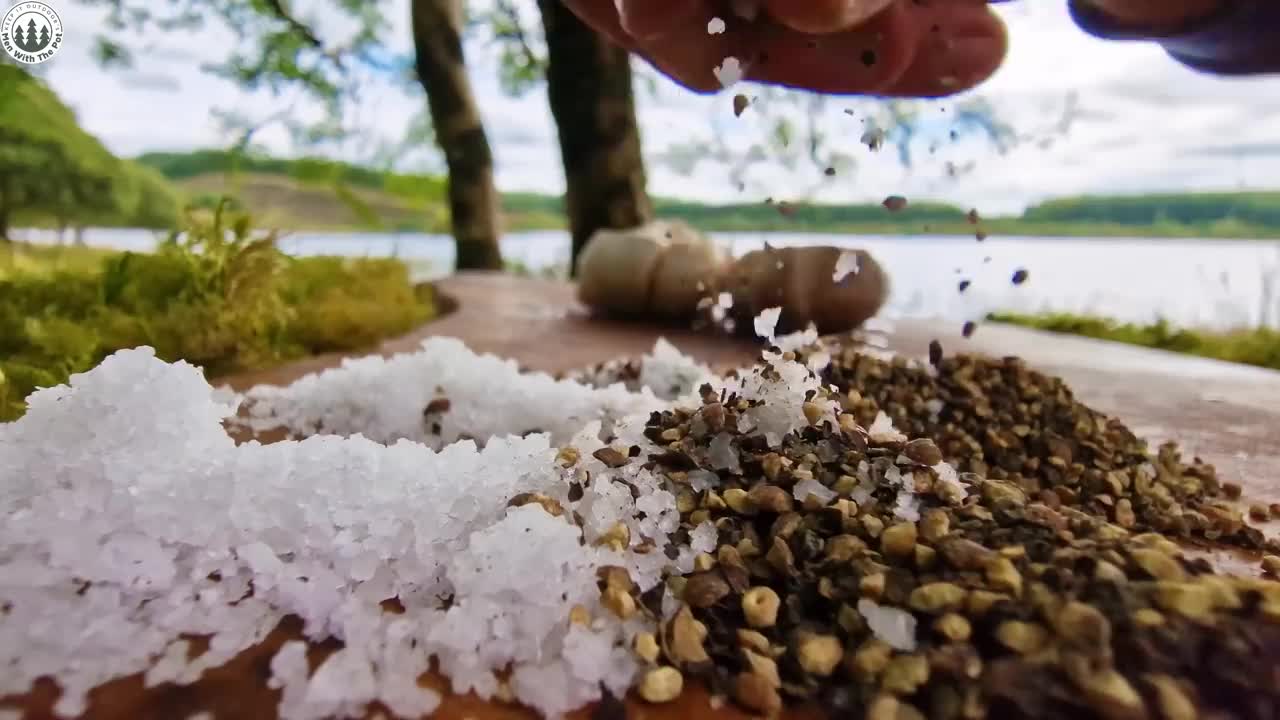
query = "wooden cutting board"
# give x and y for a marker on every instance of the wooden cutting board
(1226, 414)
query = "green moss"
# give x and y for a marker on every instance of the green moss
(1258, 346)
(217, 294)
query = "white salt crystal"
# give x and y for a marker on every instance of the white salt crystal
(729, 72)
(878, 325)
(895, 627)
(715, 26)
(809, 486)
(766, 321)
(725, 300)
(383, 399)
(669, 374)
(701, 480)
(722, 453)
(818, 361)
(846, 264)
(882, 430)
(907, 507)
(947, 476)
(703, 538)
(796, 340)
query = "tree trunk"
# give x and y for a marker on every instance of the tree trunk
(474, 204)
(589, 84)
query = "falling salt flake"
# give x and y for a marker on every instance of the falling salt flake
(846, 265)
(873, 138)
(882, 430)
(729, 72)
(878, 325)
(740, 104)
(818, 361)
(796, 340)
(805, 488)
(715, 27)
(718, 313)
(725, 300)
(947, 474)
(767, 321)
(894, 203)
(897, 628)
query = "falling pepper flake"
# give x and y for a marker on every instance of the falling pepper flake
(829, 172)
(786, 209)
(935, 352)
(868, 57)
(1019, 276)
(740, 104)
(968, 329)
(964, 285)
(973, 213)
(894, 203)
(980, 235)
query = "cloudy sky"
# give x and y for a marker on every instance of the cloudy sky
(1140, 122)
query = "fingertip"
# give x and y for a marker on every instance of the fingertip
(821, 17)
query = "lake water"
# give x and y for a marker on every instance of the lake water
(1202, 283)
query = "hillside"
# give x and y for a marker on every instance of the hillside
(52, 171)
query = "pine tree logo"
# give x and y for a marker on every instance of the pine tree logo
(31, 32)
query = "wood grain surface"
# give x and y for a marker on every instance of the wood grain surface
(1226, 414)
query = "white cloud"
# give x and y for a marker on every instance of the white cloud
(1146, 122)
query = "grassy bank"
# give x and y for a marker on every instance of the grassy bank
(218, 295)
(1259, 346)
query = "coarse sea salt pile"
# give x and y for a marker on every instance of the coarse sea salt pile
(132, 520)
(387, 399)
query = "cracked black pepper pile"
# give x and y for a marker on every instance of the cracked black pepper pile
(1043, 584)
(1000, 419)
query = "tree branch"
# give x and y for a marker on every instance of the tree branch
(277, 8)
(517, 33)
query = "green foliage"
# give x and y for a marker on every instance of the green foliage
(1256, 209)
(217, 294)
(309, 170)
(344, 304)
(47, 163)
(1258, 346)
(528, 211)
(52, 171)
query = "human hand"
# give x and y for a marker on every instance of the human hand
(921, 48)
